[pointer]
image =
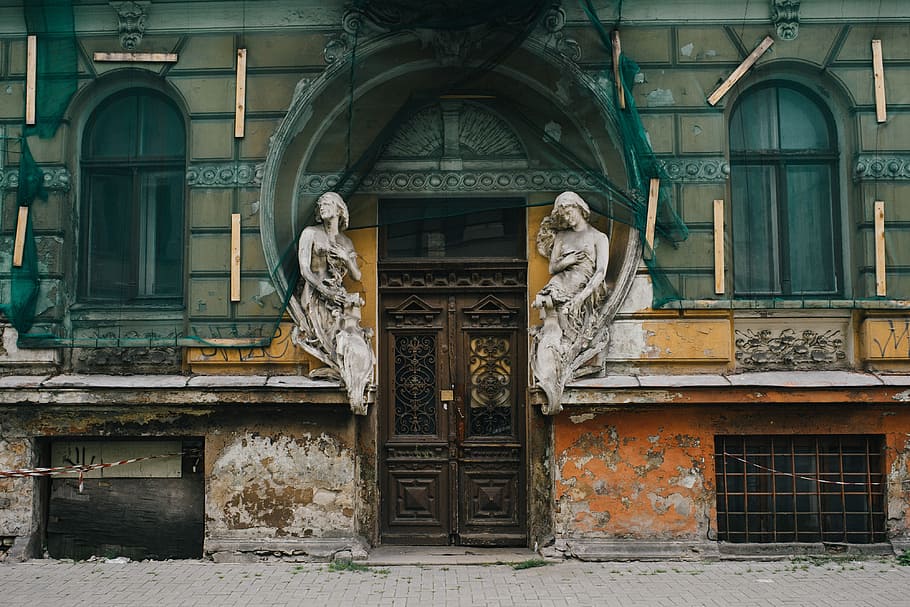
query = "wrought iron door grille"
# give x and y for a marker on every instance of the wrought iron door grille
(800, 489)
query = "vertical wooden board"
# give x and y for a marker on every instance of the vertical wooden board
(617, 76)
(881, 287)
(240, 110)
(653, 194)
(235, 257)
(740, 71)
(878, 73)
(19, 243)
(31, 76)
(719, 274)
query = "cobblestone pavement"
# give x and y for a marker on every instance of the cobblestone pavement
(878, 581)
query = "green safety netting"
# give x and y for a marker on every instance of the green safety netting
(498, 30)
(52, 22)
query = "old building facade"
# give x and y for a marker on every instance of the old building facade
(744, 385)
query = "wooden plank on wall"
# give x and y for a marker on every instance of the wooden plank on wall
(719, 274)
(235, 257)
(19, 242)
(136, 57)
(653, 194)
(240, 110)
(617, 75)
(31, 77)
(878, 72)
(881, 287)
(740, 71)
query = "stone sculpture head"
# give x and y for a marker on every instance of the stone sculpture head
(332, 203)
(570, 200)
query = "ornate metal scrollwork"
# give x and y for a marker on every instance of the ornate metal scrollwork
(415, 384)
(491, 386)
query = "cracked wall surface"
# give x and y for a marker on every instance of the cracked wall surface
(281, 485)
(649, 473)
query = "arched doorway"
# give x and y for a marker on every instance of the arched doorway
(451, 312)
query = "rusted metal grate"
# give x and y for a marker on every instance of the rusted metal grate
(800, 489)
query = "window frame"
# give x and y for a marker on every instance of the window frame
(135, 169)
(779, 159)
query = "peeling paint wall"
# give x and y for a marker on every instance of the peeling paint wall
(648, 473)
(631, 475)
(281, 485)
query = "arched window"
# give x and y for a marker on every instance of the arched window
(784, 199)
(133, 168)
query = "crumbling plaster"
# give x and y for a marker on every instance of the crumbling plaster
(281, 485)
(648, 472)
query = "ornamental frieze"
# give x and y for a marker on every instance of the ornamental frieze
(788, 349)
(224, 175)
(55, 179)
(384, 182)
(894, 167)
(708, 169)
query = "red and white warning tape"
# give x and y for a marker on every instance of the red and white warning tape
(799, 476)
(80, 468)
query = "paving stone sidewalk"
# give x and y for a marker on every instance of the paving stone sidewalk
(874, 582)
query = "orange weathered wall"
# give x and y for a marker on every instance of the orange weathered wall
(648, 473)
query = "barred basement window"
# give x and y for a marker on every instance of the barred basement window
(133, 167)
(800, 489)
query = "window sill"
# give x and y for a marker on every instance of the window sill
(146, 310)
(788, 304)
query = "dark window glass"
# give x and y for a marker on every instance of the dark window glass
(133, 161)
(453, 228)
(784, 195)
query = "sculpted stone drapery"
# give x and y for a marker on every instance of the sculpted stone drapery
(327, 317)
(573, 304)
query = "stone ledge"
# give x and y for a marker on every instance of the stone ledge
(166, 390)
(228, 549)
(773, 551)
(595, 549)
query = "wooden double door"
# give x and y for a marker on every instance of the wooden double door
(454, 361)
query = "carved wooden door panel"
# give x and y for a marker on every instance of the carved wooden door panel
(453, 378)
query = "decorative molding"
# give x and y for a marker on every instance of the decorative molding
(448, 278)
(469, 130)
(56, 179)
(388, 182)
(895, 167)
(224, 175)
(131, 22)
(353, 22)
(708, 169)
(157, 357)
(785, 17)
(786, 349)
(553, 36)
(450, 46)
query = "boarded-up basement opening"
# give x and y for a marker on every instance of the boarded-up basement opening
(152, 509)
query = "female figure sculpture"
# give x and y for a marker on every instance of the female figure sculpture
(327, 316)
(572, 306)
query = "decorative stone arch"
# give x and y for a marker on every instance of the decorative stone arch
(301, 162)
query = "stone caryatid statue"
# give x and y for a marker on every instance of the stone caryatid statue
(327, 316)
(573, 304)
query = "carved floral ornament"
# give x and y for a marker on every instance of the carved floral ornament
(131, 22)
